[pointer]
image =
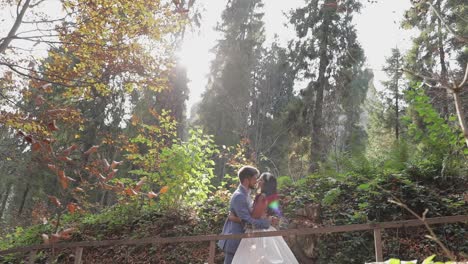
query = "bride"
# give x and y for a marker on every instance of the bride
(263, 250)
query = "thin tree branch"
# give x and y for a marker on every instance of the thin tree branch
(13, 68)
(460, 38)
(460, 86)
(4, 44)
(433, 236)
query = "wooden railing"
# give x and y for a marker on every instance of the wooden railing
(376, 227)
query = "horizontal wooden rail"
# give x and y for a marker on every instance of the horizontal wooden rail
(289, 232)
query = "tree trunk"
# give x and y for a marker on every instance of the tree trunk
(23, 201)
(397, 108)
(5, 200)
(316, 149)
(443, 66)
(460, 114)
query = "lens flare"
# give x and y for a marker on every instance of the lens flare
(273, 204)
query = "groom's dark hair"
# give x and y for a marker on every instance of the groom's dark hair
(247, 172)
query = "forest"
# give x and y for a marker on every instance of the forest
(97, 142)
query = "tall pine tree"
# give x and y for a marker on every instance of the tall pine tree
(329, 57)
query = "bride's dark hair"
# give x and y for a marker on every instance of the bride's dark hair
(269, 185)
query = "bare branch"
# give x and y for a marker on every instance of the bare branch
(14, 28)
(433, 236)
(464, 78)
(427, 78)
(14, 68)
(38, 3)
(12, 102)
(460, 38)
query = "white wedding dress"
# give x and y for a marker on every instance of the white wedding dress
(264, 250)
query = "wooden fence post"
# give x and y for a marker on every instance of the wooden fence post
(211, 259)
(378, 244)
(78, 254)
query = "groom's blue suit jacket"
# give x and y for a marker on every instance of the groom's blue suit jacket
(240, 207)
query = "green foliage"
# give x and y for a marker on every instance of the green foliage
(361, 196)
(436, 132)
(25, 236)
(284, 181)
(187, 169)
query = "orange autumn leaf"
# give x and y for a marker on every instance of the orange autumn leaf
(63, 179)
(55, 201)
(115, 164)
(71, 208)
(65, 236)
(164, 189)
(36, 146)
(130, 192)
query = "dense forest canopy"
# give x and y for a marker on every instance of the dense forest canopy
(94, 126)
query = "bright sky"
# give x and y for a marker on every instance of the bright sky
(377, 25)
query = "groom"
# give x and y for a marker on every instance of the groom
(240, 205)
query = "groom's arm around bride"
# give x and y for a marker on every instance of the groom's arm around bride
(240, 205)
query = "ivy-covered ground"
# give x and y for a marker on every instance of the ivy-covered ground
(350, 200)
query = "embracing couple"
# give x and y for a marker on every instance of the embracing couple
(246, 215)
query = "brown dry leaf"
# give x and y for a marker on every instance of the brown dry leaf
(111, 175)
(71, 179)
(71, 207)
(63, 158)
(52, 167)
(115, 164)
(152, 195)
(55, 201)
(52, 126)
(106, 186)
(29, 139)
(101, 177)
(63, 179)
(91, 150)
(54, 238)
(121, 185)
(39, 100)
(106, 164)
(67, 151)
(130, 192)
(36, 146)
(78, 189)
(140, 183)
